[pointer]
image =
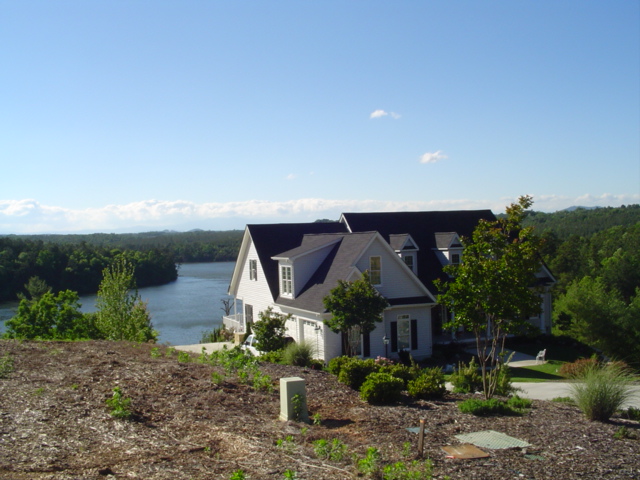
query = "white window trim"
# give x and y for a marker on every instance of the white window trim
(286, 284)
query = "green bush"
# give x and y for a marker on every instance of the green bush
(272, 357)
(355, 371)
(398, 370)
(519, 403)
(414, 470)
(381, 388)
(466, 378)
(299, 354)
(335, 365)
(481, 408)
(119, 405)
(601, 390)
(632, 413)
(503, 381)
(334, 450)
(430, 384)
(6, 366)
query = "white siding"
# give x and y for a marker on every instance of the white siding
(254, 292)
(425, 340)
(397, 279)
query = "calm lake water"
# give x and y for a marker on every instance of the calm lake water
(180, 310)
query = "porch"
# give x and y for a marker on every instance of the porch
(234, 323)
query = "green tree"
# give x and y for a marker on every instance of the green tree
(50, 316)
(270, 330)
(598, 316)
(122, 315)
(491, 293)
(355, 307)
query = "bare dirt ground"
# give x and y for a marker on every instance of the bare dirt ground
(54, 424)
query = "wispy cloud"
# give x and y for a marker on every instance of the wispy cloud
(433, 157)
(30, 216)
(291, 176)
(382, 113)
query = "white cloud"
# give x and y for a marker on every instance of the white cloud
(433, 157)
(382, 113)
(30, 216)
(291, 176)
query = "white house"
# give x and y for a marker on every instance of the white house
(292, 267)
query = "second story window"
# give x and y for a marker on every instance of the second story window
(455, 258)
(285, 281)
(253, 269)
(408, 260)
(375, 270)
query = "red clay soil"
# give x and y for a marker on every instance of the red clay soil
(55, 424)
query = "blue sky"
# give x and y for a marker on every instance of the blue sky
(144, 115)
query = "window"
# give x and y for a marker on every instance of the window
(404, 332)
(253, 269)
(455, 258)
(408, 261)
(248, 314)
(375, 270)
(285, 281)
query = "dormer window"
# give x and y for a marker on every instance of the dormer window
(408, 261)
(286, 283)
(455, 258)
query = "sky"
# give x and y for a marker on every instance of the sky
(130, 116)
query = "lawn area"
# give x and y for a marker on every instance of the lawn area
(537, 373)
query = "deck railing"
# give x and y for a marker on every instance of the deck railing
(235, 323)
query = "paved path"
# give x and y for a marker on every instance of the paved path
(208, 347)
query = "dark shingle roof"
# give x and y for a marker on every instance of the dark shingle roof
(337, 266)
(272, 239)
(422, 226)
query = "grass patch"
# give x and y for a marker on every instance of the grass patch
(537, 373)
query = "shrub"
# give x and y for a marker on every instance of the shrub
(355, 371)
(270, 330)
(466, 378)
(6, 366)
(334, 450)
(632, 413)
(299, 354)
(601, 390)
(430, 384)
(220, 334)
(503, 381)
(493, 406)
(381, 388)
(272, 357)
(369, 465)
(398, 370)
(414, 470)
(578, 368)
(335, 364)
(519, 403)
(119, 405)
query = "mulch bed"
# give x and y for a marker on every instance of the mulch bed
(54, 424)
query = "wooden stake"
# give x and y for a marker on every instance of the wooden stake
(421, 439)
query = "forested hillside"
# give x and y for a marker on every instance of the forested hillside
(194, 246)
(76, 267)
(595, 256)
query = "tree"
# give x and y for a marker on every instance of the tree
(51, 317)
(492, 292)
(355, 308)
(122, 315)
(270, 330)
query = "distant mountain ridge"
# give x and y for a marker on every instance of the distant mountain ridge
(583, 221)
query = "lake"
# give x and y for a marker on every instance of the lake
(180, 310)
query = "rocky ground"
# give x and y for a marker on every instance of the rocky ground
(55, 424)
